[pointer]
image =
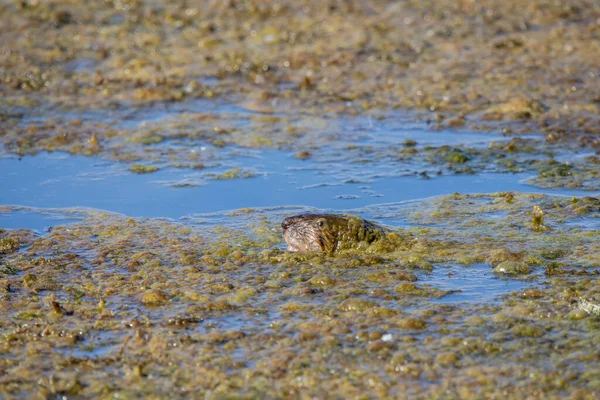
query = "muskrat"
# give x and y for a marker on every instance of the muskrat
(328, 232)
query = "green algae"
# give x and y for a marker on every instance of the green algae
(143, 169)
(190, 304)
(147, 139)
(449, 63)
(516, 108)
(356, 304)
(456, 157)
(154, 297)
(180, 131)
(512, 268)
(234, 173)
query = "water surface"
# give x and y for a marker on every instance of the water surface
(59, 180)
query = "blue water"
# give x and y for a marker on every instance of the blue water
(40, 221)
(58, 180)
(475, 283)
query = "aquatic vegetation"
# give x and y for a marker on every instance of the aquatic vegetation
(516, 108)
(537, 218)
(295, 51)
(143, 169)
(188, 140)
(187, 304)
(234, 174)
(512, 268)
(9, 244)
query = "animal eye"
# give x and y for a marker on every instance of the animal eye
(320, 223)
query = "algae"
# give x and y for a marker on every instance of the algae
(187, 304)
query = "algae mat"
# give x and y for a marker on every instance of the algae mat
(117, 307)
(455, 62)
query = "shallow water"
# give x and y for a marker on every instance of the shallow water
(58, 180)
(474, 284)
(40, 221)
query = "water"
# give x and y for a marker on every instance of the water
(58, 180)
(40, 221)
(473, 284)
(131, 118)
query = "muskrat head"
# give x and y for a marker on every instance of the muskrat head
(311, 232)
